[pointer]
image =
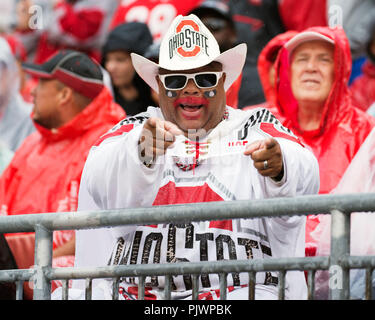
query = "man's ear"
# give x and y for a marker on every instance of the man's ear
(224, 76)
(65, 95)
(160, 84)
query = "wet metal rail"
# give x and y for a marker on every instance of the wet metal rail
(339, 206)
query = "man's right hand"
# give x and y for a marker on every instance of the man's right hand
(157, 135)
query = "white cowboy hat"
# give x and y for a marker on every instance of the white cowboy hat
(188, 44)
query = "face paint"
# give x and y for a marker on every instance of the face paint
(210, 93)
(193, 101)
(171, 94)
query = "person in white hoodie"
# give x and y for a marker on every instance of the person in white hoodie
(15, 120)
(194, 148)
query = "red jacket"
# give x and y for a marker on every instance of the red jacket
(45, 172)
(363, 88)
(343, 127)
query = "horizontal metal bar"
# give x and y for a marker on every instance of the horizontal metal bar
(301, 205)
(16, 275)
(224, 266)
(255, 265)
(358, 262)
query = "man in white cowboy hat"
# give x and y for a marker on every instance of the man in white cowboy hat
(195, 149)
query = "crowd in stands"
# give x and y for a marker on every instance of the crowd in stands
(66, 78)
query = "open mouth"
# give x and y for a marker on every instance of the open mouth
(191, 112)
(191, 107)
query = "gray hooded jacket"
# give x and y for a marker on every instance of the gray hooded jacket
(15, 121)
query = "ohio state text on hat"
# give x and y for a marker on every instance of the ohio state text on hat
(188, 44)
(74, 69)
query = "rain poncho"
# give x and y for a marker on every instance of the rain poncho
(267, 58)
(342, 129)
(359, 177)
(15, 121)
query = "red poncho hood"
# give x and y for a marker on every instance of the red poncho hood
(267, 58)
(342, 128)
(338, 102)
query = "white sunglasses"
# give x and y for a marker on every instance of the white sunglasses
(178, 81)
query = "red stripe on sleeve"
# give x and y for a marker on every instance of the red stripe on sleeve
(270, 129)
(118, 132)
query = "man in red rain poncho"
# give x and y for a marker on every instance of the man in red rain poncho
(72, 109)
(312, 99)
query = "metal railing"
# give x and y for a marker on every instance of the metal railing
(339, 206)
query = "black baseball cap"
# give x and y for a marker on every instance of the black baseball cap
(130, 37)
(73, 68)
(217, 7)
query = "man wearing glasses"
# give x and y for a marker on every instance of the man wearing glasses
(195, 148)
